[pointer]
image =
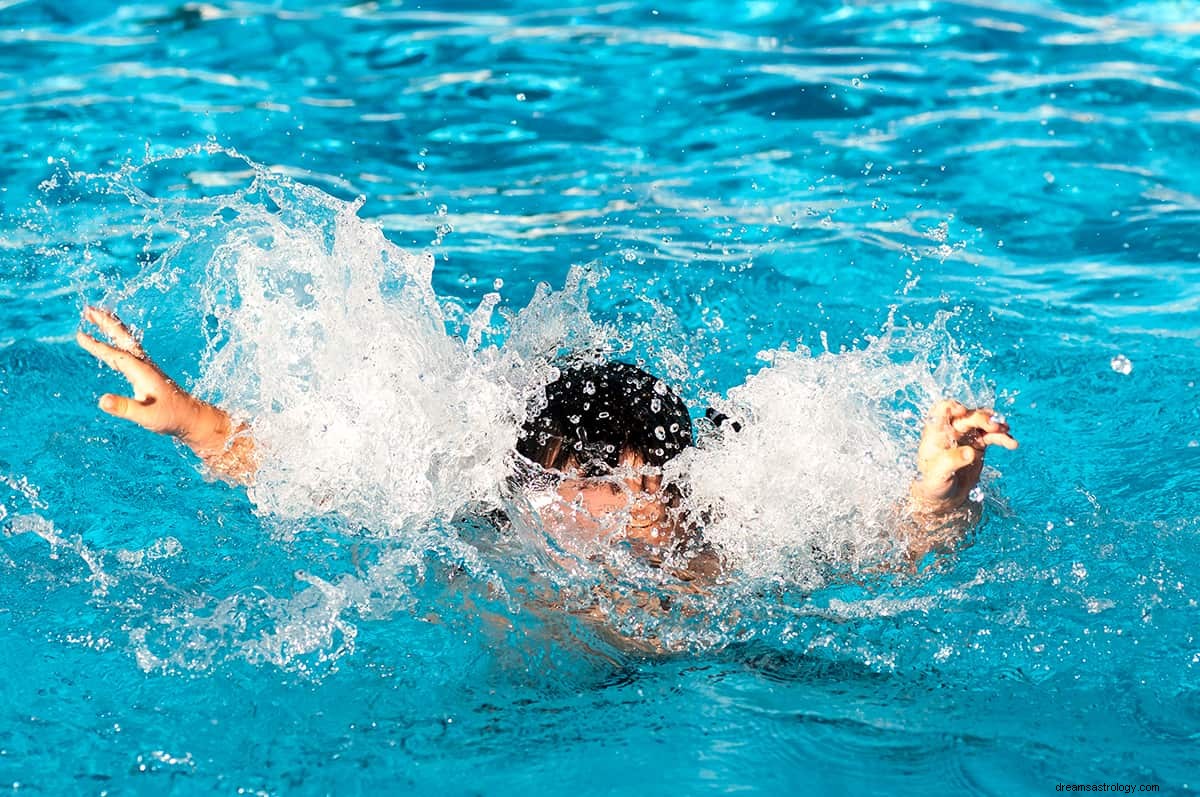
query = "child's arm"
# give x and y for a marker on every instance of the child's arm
(950, 460)
(160, 405)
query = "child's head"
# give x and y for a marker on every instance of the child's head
(598, 417)
(605, 431)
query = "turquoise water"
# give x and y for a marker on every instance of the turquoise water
(889, 201)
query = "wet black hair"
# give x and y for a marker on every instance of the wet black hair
(595, 415)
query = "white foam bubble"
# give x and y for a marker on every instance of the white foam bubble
(329, 341)
(819, 468)
(331, 344)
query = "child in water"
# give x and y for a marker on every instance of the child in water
(594, 451)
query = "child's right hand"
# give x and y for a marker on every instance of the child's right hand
(950, 457)
(157, 404)
(950, 460)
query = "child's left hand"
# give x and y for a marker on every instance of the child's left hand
(162, 406)
(950, 458)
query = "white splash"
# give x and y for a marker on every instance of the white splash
(816, 475)
(1122, 365)
(331, 343)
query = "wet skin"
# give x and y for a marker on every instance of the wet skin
(628, 505)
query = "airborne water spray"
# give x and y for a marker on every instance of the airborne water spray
(330, 342)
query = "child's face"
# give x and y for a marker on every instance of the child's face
(628, 505)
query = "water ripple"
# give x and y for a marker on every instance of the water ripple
(1018, 172)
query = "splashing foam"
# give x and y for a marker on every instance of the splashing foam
(330, 341)
(813, 480)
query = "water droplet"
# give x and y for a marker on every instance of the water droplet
(1121, 364)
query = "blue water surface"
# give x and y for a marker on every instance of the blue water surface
(762, 173)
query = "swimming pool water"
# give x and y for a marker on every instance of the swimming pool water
(1006, 187)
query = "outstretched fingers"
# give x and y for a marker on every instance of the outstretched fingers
(157, 404)
(952, 429)
(114, 329)
(140, 373)
(1002, 439)
(951, 453)
(980, 420)
(982, 428)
